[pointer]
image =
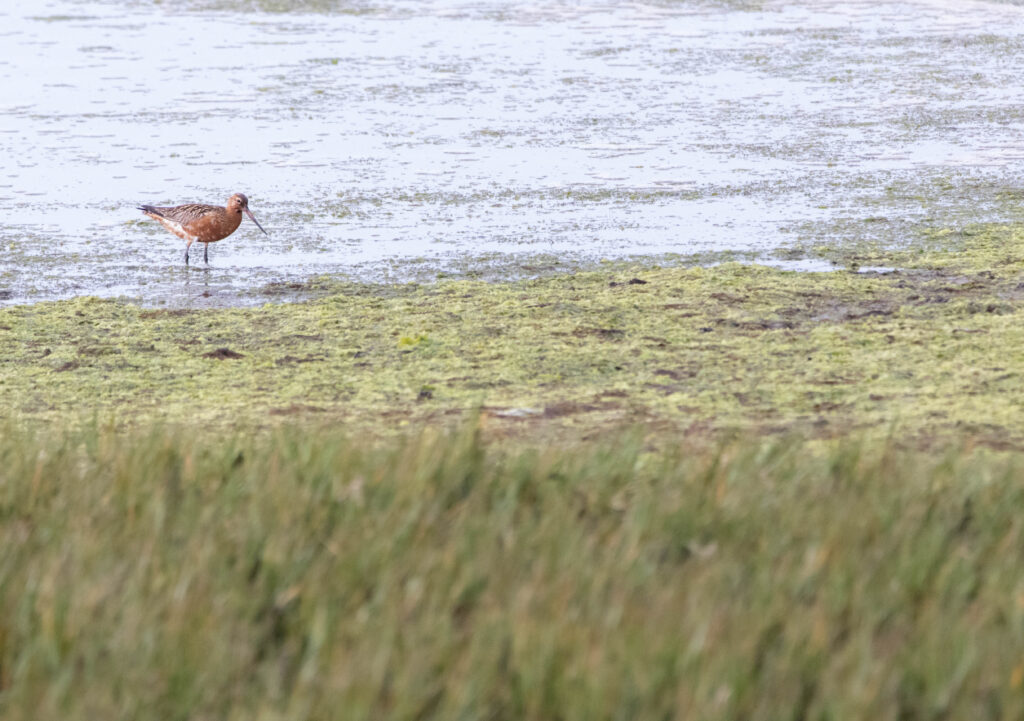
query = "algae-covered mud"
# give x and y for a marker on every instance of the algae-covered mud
(396, 141)
(929, 353)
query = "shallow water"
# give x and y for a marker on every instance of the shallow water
(407, 140)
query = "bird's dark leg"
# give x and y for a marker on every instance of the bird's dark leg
(188, 245)
(206, 251)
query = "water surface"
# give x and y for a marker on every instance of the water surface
(407, 140)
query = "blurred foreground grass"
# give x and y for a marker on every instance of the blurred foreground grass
(302, 574)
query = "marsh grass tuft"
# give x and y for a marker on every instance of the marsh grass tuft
(163, 574)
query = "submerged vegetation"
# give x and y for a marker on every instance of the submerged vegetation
(174, 575)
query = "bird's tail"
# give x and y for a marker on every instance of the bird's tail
(150, 209)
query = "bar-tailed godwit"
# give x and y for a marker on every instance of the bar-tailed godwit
(203, 223)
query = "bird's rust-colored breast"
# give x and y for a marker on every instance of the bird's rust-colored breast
(214, 226)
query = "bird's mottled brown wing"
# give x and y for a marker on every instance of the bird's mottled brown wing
(188, 213)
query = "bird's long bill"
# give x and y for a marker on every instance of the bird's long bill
(249, 213)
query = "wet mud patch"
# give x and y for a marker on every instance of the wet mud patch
(293, 360)
(223, 354)
(612, 334)
(295, 409)
(297, 290)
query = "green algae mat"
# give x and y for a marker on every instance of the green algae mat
(933, 351)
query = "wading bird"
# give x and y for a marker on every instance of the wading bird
(203, 223)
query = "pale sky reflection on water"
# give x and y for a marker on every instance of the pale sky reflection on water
(421, 138)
